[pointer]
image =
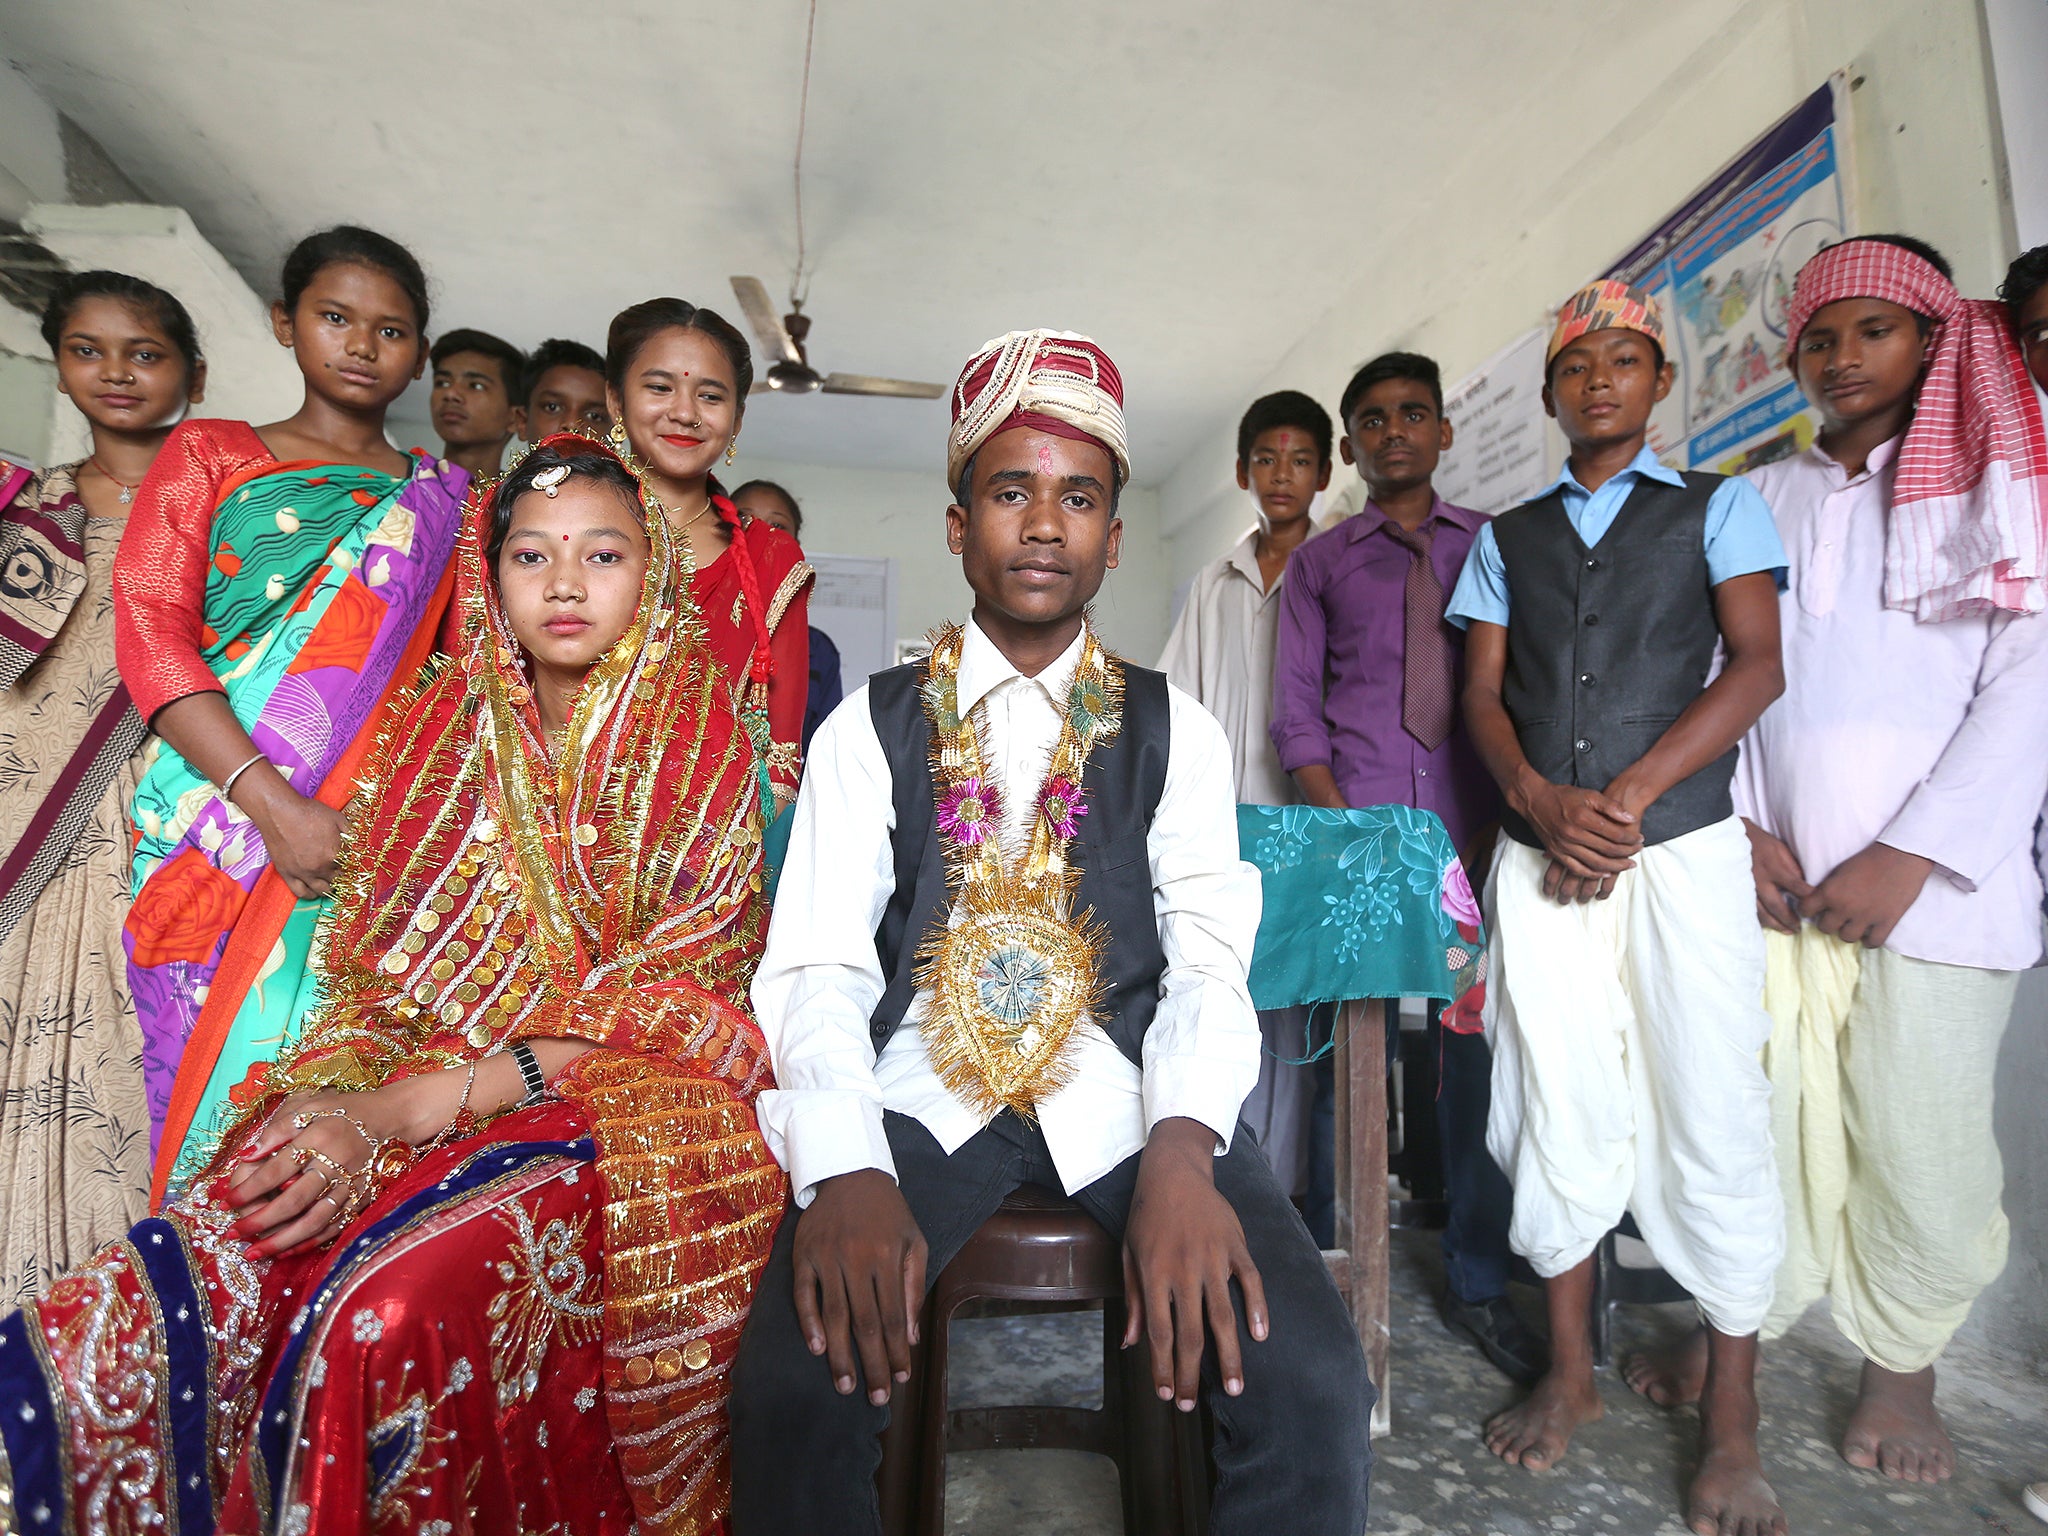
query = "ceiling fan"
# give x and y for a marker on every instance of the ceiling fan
(790, 372)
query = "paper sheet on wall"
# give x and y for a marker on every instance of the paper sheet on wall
(1499, 450)
(1722, 267)
(854, 601)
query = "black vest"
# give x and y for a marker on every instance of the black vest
(1123, 782)
(1607, 646)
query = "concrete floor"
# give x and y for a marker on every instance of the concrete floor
(1625, 1474)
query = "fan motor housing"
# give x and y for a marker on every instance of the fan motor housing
(794, 378)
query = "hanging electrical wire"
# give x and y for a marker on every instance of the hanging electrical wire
(799, 289)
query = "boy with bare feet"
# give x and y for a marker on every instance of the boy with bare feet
(1627, 967)
(1891, 800)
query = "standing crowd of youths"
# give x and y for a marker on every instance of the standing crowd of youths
(496, 1043)
(1751, 770)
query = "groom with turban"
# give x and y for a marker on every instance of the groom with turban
(1009, 948)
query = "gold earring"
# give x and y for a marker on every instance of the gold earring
(732, 448)
(617, 435)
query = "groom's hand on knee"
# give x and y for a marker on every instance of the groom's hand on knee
(1183, 1247)
(859, 1260)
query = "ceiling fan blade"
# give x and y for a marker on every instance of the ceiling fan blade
(867, 384)
(776, 347)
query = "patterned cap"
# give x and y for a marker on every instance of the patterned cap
(1608, 305)
(1053, 381)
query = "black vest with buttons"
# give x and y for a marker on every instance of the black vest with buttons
(1607, 646)
(1123, 783)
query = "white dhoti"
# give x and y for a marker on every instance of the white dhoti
(1626, 1076)
(1882, 1073)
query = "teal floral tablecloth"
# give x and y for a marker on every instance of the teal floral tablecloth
(1366, 903)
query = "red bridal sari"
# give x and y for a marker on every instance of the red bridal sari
(531, 1329)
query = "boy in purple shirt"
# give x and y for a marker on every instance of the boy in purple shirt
(1366, 678)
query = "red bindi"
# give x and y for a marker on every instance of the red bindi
(1045, 458)
(565, 538)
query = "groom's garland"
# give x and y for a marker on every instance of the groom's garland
(1014, 973)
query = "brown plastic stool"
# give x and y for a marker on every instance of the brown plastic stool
(1042, 1248)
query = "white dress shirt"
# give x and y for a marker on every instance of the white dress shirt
(821, 978)
(1929, 738)
(1221, 652)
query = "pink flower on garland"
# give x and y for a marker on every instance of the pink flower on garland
(968, 813)
(1061, 805)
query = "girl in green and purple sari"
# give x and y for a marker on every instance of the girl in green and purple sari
(276, 587)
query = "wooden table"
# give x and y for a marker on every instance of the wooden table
(1361, 905)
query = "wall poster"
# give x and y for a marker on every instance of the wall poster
(1721, 267)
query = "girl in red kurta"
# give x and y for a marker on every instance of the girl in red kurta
(676, 382)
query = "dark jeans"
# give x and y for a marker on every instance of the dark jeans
(1480, 1199)
(1292, 1453)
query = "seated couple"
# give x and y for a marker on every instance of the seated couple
(480, 1254)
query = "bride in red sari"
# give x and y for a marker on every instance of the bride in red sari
(478, 1256)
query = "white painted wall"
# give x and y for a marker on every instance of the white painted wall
(31, 146)
(1491, 250)
(2018, 33)
(2012, 1316)
(902, 515)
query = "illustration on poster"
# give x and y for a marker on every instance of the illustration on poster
(1723, 265)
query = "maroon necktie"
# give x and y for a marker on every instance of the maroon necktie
(1428, 691)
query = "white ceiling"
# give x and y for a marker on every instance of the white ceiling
(1193, 182)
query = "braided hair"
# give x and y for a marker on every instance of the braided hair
(762, 667)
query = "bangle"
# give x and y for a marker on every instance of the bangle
(529, 1073)
(464, 1122)
(227, 787)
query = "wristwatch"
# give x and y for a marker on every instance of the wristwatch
(529, 1073)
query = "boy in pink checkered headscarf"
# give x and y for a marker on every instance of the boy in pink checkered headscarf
(1890, 797)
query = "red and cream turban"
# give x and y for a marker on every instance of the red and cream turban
(1608, 305)
(1970, 495)
(1052, 381)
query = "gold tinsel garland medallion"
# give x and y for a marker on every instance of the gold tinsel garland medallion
(1015, 973)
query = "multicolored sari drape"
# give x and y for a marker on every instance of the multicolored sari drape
(324, 581)
(532, 1330)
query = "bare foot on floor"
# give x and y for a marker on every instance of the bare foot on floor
(1729, 1496)
(1535, 1432)
(1896, 1429)
(1672, 1377)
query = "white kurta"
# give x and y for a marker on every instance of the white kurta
(1221, 653)
(1930, 738)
